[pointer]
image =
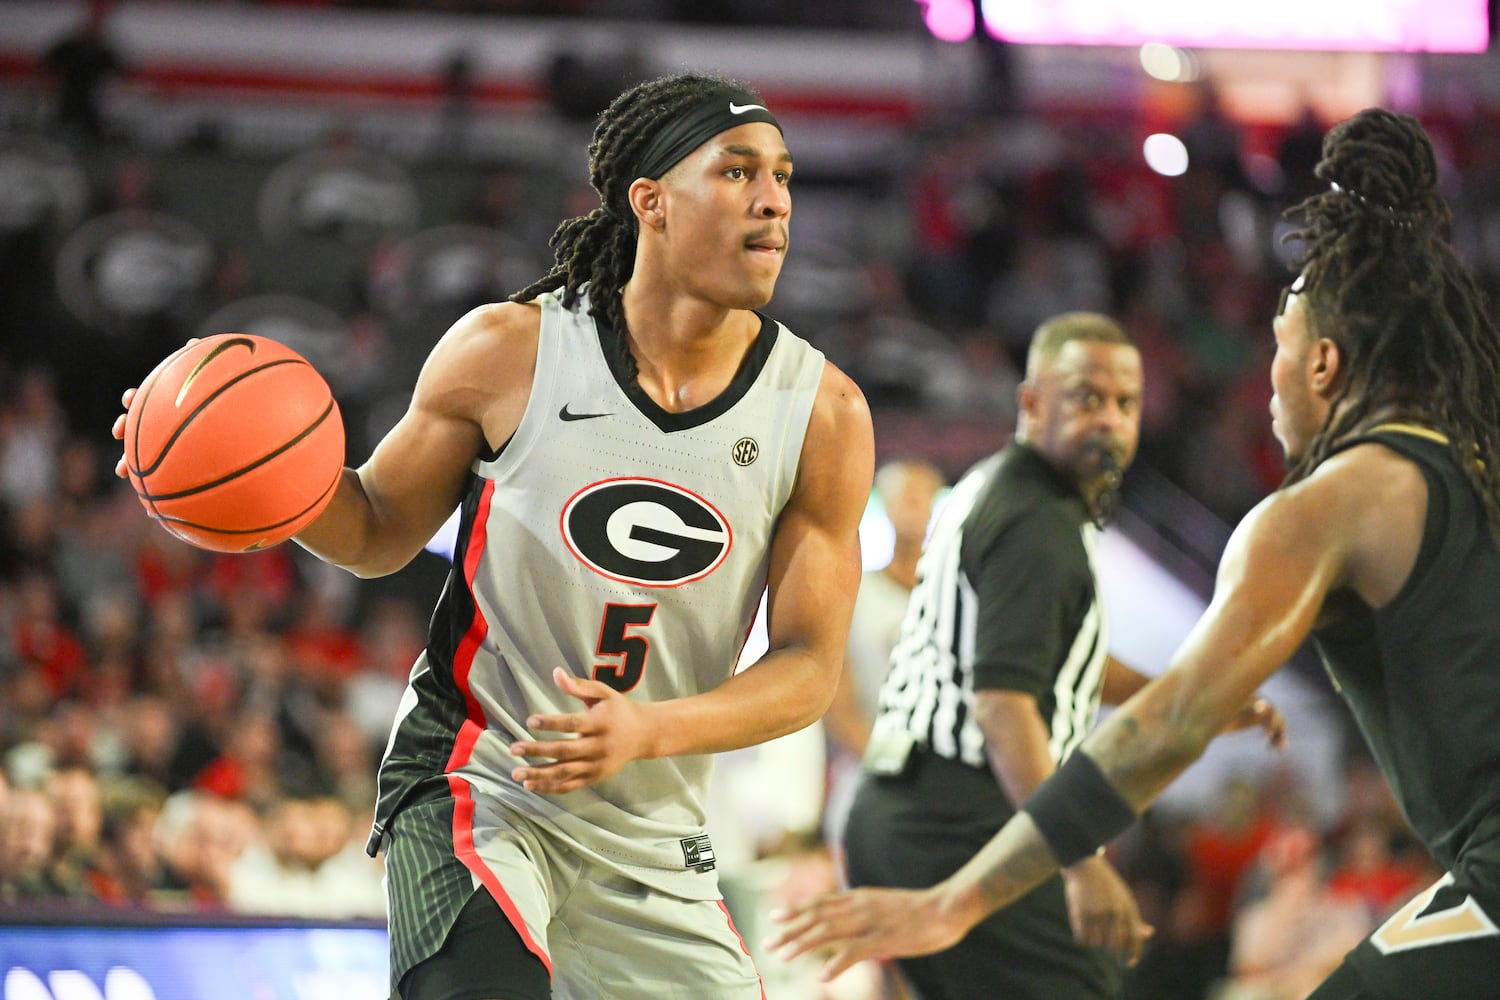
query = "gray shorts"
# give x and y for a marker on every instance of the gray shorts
(601, 934)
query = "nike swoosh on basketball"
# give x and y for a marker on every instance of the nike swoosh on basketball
(566, 414)
(739, 109)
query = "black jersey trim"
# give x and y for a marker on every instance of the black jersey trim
(621, 366)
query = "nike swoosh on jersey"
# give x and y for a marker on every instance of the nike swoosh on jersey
(566, 414)
(739, 109)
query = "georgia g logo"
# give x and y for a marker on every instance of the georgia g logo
(645, 531)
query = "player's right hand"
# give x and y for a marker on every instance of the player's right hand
(609, 733)
(118, 430)
(1102, 910)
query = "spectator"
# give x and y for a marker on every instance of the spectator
(1289, 940)
(80, 64)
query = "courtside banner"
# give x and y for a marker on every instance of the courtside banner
(57, 962)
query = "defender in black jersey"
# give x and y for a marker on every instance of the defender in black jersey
(1381, 545)
(998, 673)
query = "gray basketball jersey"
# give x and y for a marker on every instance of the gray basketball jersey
(623, 543)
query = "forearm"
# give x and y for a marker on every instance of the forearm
(1145, 745)
(345, 533)
(1015, 741)
(780, 693)
(1013, 862)
(1020, 857)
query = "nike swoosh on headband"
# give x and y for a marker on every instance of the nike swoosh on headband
(739, 109)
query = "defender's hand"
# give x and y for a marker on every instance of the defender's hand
(866, 924)
(1261, 713)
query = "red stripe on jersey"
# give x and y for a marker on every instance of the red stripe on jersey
(463, 848)
(468, 735)
(736, 932)
(463, 657)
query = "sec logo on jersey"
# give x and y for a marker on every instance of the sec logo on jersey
(645, 531)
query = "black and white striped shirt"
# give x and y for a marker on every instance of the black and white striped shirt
(1005, 599)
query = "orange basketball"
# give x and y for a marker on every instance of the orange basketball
(234, 443)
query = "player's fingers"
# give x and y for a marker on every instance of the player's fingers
(552, 779)
(805, 926)
(842, 959)
(584, 690)
(571, 722)
(556, 750)
(117, 429)
(1142, 934)
(127, 396)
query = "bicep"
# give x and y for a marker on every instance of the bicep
(416, 474)
(1281, 563)
(815, 555)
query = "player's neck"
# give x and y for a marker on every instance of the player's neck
(686, 351)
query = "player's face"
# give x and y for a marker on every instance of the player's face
(1084, 404)
(1297, 410)
(728, 207)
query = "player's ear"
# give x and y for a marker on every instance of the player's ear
(646, 198)
(1325, 365)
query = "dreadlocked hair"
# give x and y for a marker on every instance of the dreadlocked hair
(1410, 322)
(598, 249)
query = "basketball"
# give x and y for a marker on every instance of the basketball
(234, 443)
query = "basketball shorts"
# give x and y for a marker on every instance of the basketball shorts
(598, 934)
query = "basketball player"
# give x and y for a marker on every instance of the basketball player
(638, 453)
(1381, 545)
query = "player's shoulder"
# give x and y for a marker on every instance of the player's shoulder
(1359, 497)
(489, 352)
(498, 333)
(838, 450)
(1364, 473)
(503, 325)
(840, 401)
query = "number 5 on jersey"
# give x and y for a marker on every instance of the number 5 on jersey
(630, 648)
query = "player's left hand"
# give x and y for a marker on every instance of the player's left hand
(866, 924)
(1264, 715)
(609, 733)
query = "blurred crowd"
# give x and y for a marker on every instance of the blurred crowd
(187, 731)
(180, 729)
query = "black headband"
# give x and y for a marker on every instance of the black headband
(721, 111)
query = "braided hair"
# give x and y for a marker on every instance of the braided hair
(1410, 321)
(599, 248)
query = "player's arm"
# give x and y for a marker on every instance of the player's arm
(1121, 683)
(1281, 563)
(1102, 912)
(470, 394)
